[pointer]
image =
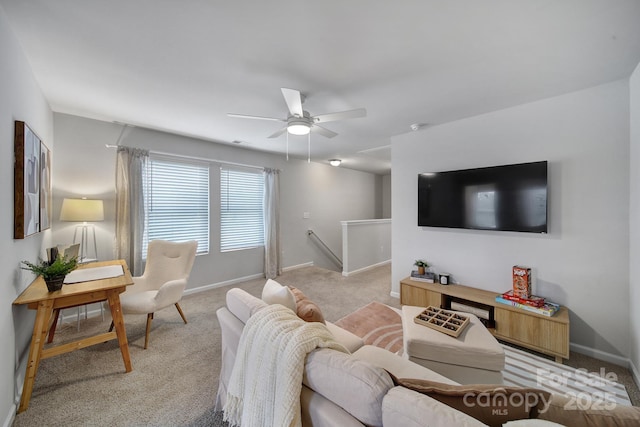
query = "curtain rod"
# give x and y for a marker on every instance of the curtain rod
(194, 158)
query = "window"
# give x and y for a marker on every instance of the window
(241, 212)
(177, 202)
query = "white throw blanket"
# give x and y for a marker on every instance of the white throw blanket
(266, 380)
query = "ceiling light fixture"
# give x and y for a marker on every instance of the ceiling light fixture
(298, 127)
(335, 162)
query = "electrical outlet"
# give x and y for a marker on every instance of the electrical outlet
(306, 215)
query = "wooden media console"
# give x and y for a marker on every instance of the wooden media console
(547, 335)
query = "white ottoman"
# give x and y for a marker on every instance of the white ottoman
(475, 357)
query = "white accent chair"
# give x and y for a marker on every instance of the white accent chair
(163, 281)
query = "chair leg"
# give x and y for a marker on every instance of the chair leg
(184, 319)
(146, 336)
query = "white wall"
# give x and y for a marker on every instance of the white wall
(365, 244)
(386, 196)
(583, 262)
(328, 194)
(634, 214)
(21, 99)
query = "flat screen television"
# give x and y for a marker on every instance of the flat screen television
(503, 198)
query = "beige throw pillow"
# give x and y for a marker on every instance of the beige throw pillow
(274, 293)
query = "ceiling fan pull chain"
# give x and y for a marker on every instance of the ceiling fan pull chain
(309, 147)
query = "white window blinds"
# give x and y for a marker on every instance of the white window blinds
(177, 202)
(241, 212)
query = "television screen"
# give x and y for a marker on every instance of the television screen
(504, 198)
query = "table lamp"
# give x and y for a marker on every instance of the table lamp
(83, 210)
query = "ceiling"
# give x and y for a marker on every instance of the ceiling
(181, 66)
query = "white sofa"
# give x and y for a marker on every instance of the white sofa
(341, 389)
(356, 389)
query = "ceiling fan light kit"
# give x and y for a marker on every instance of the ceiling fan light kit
(335, 162)
(296, 127)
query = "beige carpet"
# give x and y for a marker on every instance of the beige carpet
(174, 381)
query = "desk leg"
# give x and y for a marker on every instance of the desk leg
(40, 329)
(118, 321)
(54, 324)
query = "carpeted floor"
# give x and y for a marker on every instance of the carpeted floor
(174, 381)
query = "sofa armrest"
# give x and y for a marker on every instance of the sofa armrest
(231, 330)
(242, 304)
(398, 365)
(402, 407)
(350, 341)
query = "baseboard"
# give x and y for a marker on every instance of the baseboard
(635, 373)
(295, 267)
(395, 294)
(222, 284)
(369, 267)
(11, 416)
(600, 355)
(72, 317)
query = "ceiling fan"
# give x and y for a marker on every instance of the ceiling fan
(300, 122)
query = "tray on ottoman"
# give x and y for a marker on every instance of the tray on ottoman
(445, 321)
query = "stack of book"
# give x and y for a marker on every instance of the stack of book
(428, 276)
(533, 303)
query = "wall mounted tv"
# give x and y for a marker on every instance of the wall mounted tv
(503, 198)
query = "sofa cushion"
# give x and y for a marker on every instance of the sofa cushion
(397, 365)
(274, 293)
(402, 407)
(242, 304)
(306, 309)
(564, 410)
(492, 404)
(357, 386)
(350, 341)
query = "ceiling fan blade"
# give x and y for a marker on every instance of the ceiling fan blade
(244, 116)
(278, 133)
(323, 131)
(332, 117)
(294, 101)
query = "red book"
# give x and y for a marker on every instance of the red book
(533, 300)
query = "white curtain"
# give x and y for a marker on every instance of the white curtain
(131, 164)
(271, 223)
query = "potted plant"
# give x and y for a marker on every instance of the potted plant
(54, 272)
(421, 266)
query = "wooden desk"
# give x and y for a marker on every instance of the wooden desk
(37, 297)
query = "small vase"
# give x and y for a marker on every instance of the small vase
(55, 284)
(420, 270)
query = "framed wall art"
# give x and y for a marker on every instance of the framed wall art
(27, 181)
(45, 187)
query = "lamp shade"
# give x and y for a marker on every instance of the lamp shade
(82, 210)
